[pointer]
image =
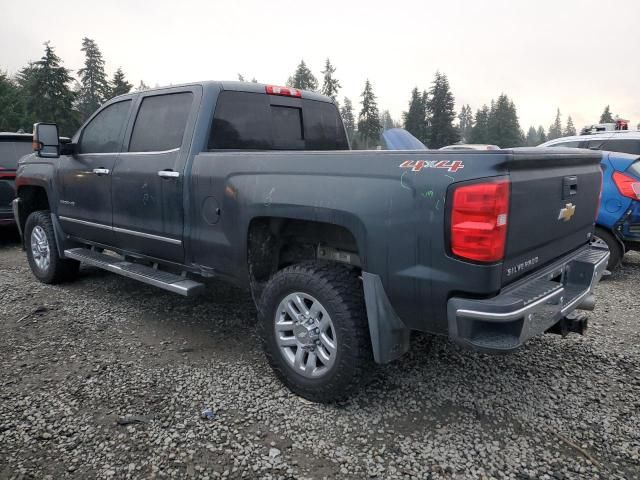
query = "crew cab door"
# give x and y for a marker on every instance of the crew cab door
(84, 203)
(147, 183)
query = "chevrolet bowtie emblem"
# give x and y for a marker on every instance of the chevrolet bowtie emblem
(567, 212)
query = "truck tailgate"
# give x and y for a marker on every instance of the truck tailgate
(553, 205)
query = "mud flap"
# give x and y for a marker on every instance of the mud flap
(389, 336)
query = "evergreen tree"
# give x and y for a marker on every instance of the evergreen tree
(606, 116)
(119, 84)
(330, 85)
(555, 130)
(11, 105)
(253, 80)
(346, 112)
(240, 78)
(466, 123)
(542, 137)
(369, 126)
(570, 129)
(480, 130)
(441, 113)
(532, 139)
(48, 97)
(415, 119)
(94, 88)
(142, 86)
(386, 120)
(503, 125)
(303, 78)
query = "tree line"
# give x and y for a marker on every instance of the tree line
(45, 90)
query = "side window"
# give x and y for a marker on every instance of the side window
(574, 144)
(628, 145)
(595, 144)
(103, 133)
(161, 122)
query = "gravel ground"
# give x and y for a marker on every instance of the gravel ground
(106, 377)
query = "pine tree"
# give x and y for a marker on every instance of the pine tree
(386, 120)
(466, 123)
(415, 118)
(503, 125)
(369, 126)
(606, 116)
(11, 105)
(532, 139)
(555, 130)
(240, 78)
(142, 86)
(303, 78)
(94, 88)
(542, 137)
(253, 80)
(119, 84)
(330, 85)
(441, 113)
(480, 130)
(346, 112)
(45, 85)
(570, 129)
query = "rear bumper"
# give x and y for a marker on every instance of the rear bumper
(529, 307)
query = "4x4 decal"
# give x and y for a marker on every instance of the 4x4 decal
(417, 165)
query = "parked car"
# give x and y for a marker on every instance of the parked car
(12, 147)
(470, 146)
(618, 222)
(623, 141)
(345, 252)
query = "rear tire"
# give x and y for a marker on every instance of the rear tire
(42, 251)
(314, 331)
(616, 252)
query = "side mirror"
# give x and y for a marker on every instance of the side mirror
(46, 141)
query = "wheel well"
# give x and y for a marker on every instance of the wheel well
(274, 243)
(31, 199)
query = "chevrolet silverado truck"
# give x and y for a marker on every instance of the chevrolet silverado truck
(345, 252)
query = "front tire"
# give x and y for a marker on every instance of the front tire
(42, 251)
(604, 238)
(314, 331)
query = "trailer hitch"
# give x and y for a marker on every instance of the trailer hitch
(572, 323)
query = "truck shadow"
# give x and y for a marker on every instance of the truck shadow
(9, 236)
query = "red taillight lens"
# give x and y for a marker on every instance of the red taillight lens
(479, 221)
(628, 186)
(284, 91)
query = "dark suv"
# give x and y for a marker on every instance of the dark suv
(12, 147)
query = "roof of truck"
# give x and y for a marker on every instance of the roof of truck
(235, 86)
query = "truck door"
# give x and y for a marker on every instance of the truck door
(84, 204)
(147, 183)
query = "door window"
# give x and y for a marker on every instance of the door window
(161, 122)
(104, 133)
(626, 145)
(573, 144)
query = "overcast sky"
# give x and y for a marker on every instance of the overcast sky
(579, 55)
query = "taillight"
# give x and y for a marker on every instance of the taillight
(628, 186)
(479, 221)
(284, 91)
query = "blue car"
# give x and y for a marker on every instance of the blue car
(618, 222)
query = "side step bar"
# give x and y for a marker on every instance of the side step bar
(152, 276)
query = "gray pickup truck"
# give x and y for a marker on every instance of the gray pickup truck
(345, 252)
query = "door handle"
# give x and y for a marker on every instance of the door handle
(101, 171)
(168, 174)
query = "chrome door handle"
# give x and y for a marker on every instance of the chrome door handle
(101, 171)
(168, 174)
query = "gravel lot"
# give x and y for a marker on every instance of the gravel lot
(106, 377)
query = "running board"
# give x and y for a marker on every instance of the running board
(152, 276)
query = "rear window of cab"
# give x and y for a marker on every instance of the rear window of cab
(254, 121)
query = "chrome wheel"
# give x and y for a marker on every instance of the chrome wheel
(40, 248)
(305, 335)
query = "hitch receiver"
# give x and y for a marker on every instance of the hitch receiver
(572, 323)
